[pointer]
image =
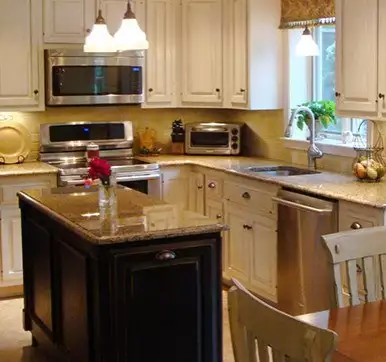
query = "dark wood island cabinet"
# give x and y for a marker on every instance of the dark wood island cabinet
(141, 284)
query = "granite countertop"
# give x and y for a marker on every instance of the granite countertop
(327, 184)
(136, 217)
(27, 168)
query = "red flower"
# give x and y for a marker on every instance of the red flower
(99, 168)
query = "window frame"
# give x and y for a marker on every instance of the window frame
(333, 143)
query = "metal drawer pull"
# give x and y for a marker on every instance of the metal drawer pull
(211, 185)
(166, 255)
(199, 187)
(246, 195)
(300, 206)
(356, 226)
(247, 227)
(218, 216)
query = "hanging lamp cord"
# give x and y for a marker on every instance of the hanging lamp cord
(129, 13)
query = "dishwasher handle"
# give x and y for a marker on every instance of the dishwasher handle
(300, 206)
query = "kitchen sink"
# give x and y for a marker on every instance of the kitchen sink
(281, 170)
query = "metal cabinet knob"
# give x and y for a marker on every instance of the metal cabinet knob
(381, 96)
(200, 187)
(36, 92)
(211, 185)
(247, 227)
(337, 94)
(217, 90)
(150, 89)
(88, 30)
(356, 226)
(242, 90)
(218, 216)
(246, 196)
(166, 255)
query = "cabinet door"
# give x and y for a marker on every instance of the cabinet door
(67, 21)
(382, 58)
(237, 53)
(113, 11)
(21, 61)
(356, 57)
(214, 209)
(263, 256)
(11, 252)
(160, 57)
(196, 192)
(202, 51)
(175, 187)
(239, 242)
(161, 294)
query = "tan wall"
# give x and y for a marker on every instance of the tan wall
(262, 130)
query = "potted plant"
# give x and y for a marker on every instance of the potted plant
(324, 112)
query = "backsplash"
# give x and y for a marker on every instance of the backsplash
(262, 130)
(158, 119)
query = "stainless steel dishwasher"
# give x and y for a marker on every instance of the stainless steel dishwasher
(305, 278)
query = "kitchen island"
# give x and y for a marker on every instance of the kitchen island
(138, 282)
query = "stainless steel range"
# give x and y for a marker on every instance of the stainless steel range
(64, 146)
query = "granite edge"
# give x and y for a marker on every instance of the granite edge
(271, 179)
(138, 236)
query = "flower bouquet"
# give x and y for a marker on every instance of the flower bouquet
(100, 171)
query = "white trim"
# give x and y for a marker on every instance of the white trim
(329, 147)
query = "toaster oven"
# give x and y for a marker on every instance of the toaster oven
(213, 138)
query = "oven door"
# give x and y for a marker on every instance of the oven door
(93, 80)
(205, 141)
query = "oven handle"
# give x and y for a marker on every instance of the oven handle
(152, 176)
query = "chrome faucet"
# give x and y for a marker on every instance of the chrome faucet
(313, 152)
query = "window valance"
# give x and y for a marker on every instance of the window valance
(299, 13)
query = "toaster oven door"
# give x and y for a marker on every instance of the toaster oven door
(215, 141)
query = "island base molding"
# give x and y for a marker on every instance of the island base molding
(151, 300)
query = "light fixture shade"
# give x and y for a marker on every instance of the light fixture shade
(306, 47)
(130, 36)
(99, 40)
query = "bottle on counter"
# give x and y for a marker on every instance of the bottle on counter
(92, 151)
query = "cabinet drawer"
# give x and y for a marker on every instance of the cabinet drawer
(356, 216)
(258, 200)
(8, 193)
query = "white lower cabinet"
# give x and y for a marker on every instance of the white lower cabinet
(251, 247)
(11, 260)
(11, 250)
(175, 186)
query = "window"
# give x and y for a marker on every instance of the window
(319, 74)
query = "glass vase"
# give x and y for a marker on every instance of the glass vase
(108, 192)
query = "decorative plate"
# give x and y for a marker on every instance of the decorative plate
(15, 143)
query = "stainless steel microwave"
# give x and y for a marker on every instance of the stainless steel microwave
(213, 138)
(76, 78)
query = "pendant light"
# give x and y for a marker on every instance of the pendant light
(130, 36)
(99, 40)
(306, 47)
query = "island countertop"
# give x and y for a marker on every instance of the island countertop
(136, 216)
(327, 184)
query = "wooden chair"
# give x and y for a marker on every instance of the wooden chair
(262, 333)
(359, 264)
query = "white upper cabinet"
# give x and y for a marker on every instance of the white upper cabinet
(201, 52)
(253, 57)
(21, 55)
(68, 21)
(382, 58)
(357, 57)
(113, 11)
(237, 40)
(161, 56)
